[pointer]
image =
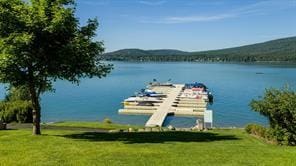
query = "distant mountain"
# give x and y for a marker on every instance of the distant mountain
(139, 52)
(167, 52)
(274, 50)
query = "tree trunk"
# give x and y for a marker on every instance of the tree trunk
(36, 120)
(36, 110)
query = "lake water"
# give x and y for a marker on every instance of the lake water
(233, 86)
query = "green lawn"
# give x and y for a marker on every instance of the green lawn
(65, 147)
(97, 125)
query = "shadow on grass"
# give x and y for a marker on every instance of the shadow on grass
(16, 126)
(152, 137)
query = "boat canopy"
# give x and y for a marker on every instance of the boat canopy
(195, 85)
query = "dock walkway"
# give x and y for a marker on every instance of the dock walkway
(160, 114)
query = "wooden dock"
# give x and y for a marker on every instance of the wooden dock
(162, 111)
(172, 104)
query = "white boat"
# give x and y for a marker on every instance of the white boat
(150, 93)
(143, 99)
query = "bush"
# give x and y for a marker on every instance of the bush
(279, 106)
(283, 136)
(17, 106)
(16, 111)
(260, 131)
(256, 130)
(107, 121)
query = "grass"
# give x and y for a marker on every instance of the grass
(67, 147)
(96, 125)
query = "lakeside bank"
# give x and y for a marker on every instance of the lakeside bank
(82, 147)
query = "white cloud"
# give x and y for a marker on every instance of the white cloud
(152, 2)
(187, 19)
(258, 8)
(200, 18)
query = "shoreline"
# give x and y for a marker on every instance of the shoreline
(209, 62)
(95, 126)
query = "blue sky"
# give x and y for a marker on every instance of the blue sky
(189, 25)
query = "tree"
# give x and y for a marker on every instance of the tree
(42, 41)
(16, 107)
(19, 93)
(279, 106)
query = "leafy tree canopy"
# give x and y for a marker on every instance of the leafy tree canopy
(42, 41)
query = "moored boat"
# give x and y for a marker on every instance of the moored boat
(198, 91)
(150, 93)
(143, 99)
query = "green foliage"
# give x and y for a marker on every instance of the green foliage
(19, 93)
(107, 121)
(279, 106)
(16, 111)
(259, 131)
(42, 41)
(256, 130)
(17, 106)
(275, 50)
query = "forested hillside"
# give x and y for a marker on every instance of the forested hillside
(275, 50)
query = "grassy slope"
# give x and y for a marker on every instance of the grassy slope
(61, 147)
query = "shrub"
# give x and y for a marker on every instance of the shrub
(16, 111)
(279, 106)
(257, 130)
(283, 136)
(262, 132)
(16, 106)
(107, 121)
